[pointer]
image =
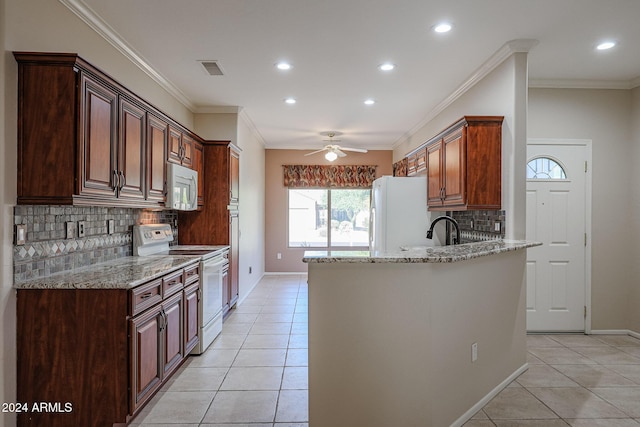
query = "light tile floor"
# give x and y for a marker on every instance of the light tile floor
(255, 374)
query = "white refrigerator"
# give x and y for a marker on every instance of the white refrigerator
(398, 214)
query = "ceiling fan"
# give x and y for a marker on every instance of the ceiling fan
(334, 151)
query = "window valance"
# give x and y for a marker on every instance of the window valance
(333, 176)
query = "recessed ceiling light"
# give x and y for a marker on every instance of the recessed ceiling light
(290, 100)
(606, 45)
(369, 102)
(387, 66)
(443, 27)
(283, 66)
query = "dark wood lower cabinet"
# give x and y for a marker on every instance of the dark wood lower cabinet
(191, 325)
(85, 359)
(146, 377)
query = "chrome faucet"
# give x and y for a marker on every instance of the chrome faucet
(456, 239)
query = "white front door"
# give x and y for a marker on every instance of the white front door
(556, 216)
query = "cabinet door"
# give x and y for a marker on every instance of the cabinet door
(156, 158)
(187, 150)
(234, 240)
(234, 177)
(455, 169)
(191, 325)
(173, 348)
(146, 365)
(198, 166)
(434, 171)
(174, 146)
(225, 290)
(97, 154)
(131, 151)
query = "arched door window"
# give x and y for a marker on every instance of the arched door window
(545, 168)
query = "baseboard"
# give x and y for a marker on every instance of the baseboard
(285, 273)
(615, 332)
(493, 393)
(253, 286)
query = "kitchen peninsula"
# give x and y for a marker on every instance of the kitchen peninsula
(392, 335)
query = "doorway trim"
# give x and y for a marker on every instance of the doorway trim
(587, 143)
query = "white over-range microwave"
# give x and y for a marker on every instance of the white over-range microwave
(182, 188)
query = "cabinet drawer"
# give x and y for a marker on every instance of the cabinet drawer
(172, 283)
(191, 274)
(145, 296)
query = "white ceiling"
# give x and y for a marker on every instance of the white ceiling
(335, 47)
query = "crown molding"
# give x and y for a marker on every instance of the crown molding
(252, 127)
(583, 84)
(229, 109)
(508, 49)
(100, 26)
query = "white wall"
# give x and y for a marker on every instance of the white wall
(217, 126)
(604, 117)
(501, 93)
(252, 208)
(634, 292)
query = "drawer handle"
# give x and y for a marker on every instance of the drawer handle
(174, 282)
(145, 296)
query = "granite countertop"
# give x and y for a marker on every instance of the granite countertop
(122, 273)
(421, 254)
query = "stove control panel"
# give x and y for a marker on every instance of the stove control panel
(151, 238)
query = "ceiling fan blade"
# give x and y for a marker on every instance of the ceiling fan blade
(357, 150)
(315, 152)
(339, 152)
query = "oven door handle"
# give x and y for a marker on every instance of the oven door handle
(215, 264)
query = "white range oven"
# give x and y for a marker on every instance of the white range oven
(153, 240)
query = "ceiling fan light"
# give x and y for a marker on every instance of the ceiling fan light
(443, 27)
(283, 66)
(606, 45)
(331, 156)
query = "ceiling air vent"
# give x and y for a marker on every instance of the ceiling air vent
(212, 68)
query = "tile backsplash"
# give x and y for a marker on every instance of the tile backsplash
(480, 225)
(47, 249)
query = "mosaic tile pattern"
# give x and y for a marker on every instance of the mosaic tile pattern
(479, 225)
(47, 250)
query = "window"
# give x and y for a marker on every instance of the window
(329, 218)
(545, 168)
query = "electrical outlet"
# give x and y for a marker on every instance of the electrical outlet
(279, 255)
(69, 229)
(496, 226)
(111, 226)
(474, 352)
(81, 229)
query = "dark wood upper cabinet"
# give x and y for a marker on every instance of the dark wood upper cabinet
(84, 139)
(180, 147)
(98, 140)
(157, 138)
(464, 166)
(131, 151)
